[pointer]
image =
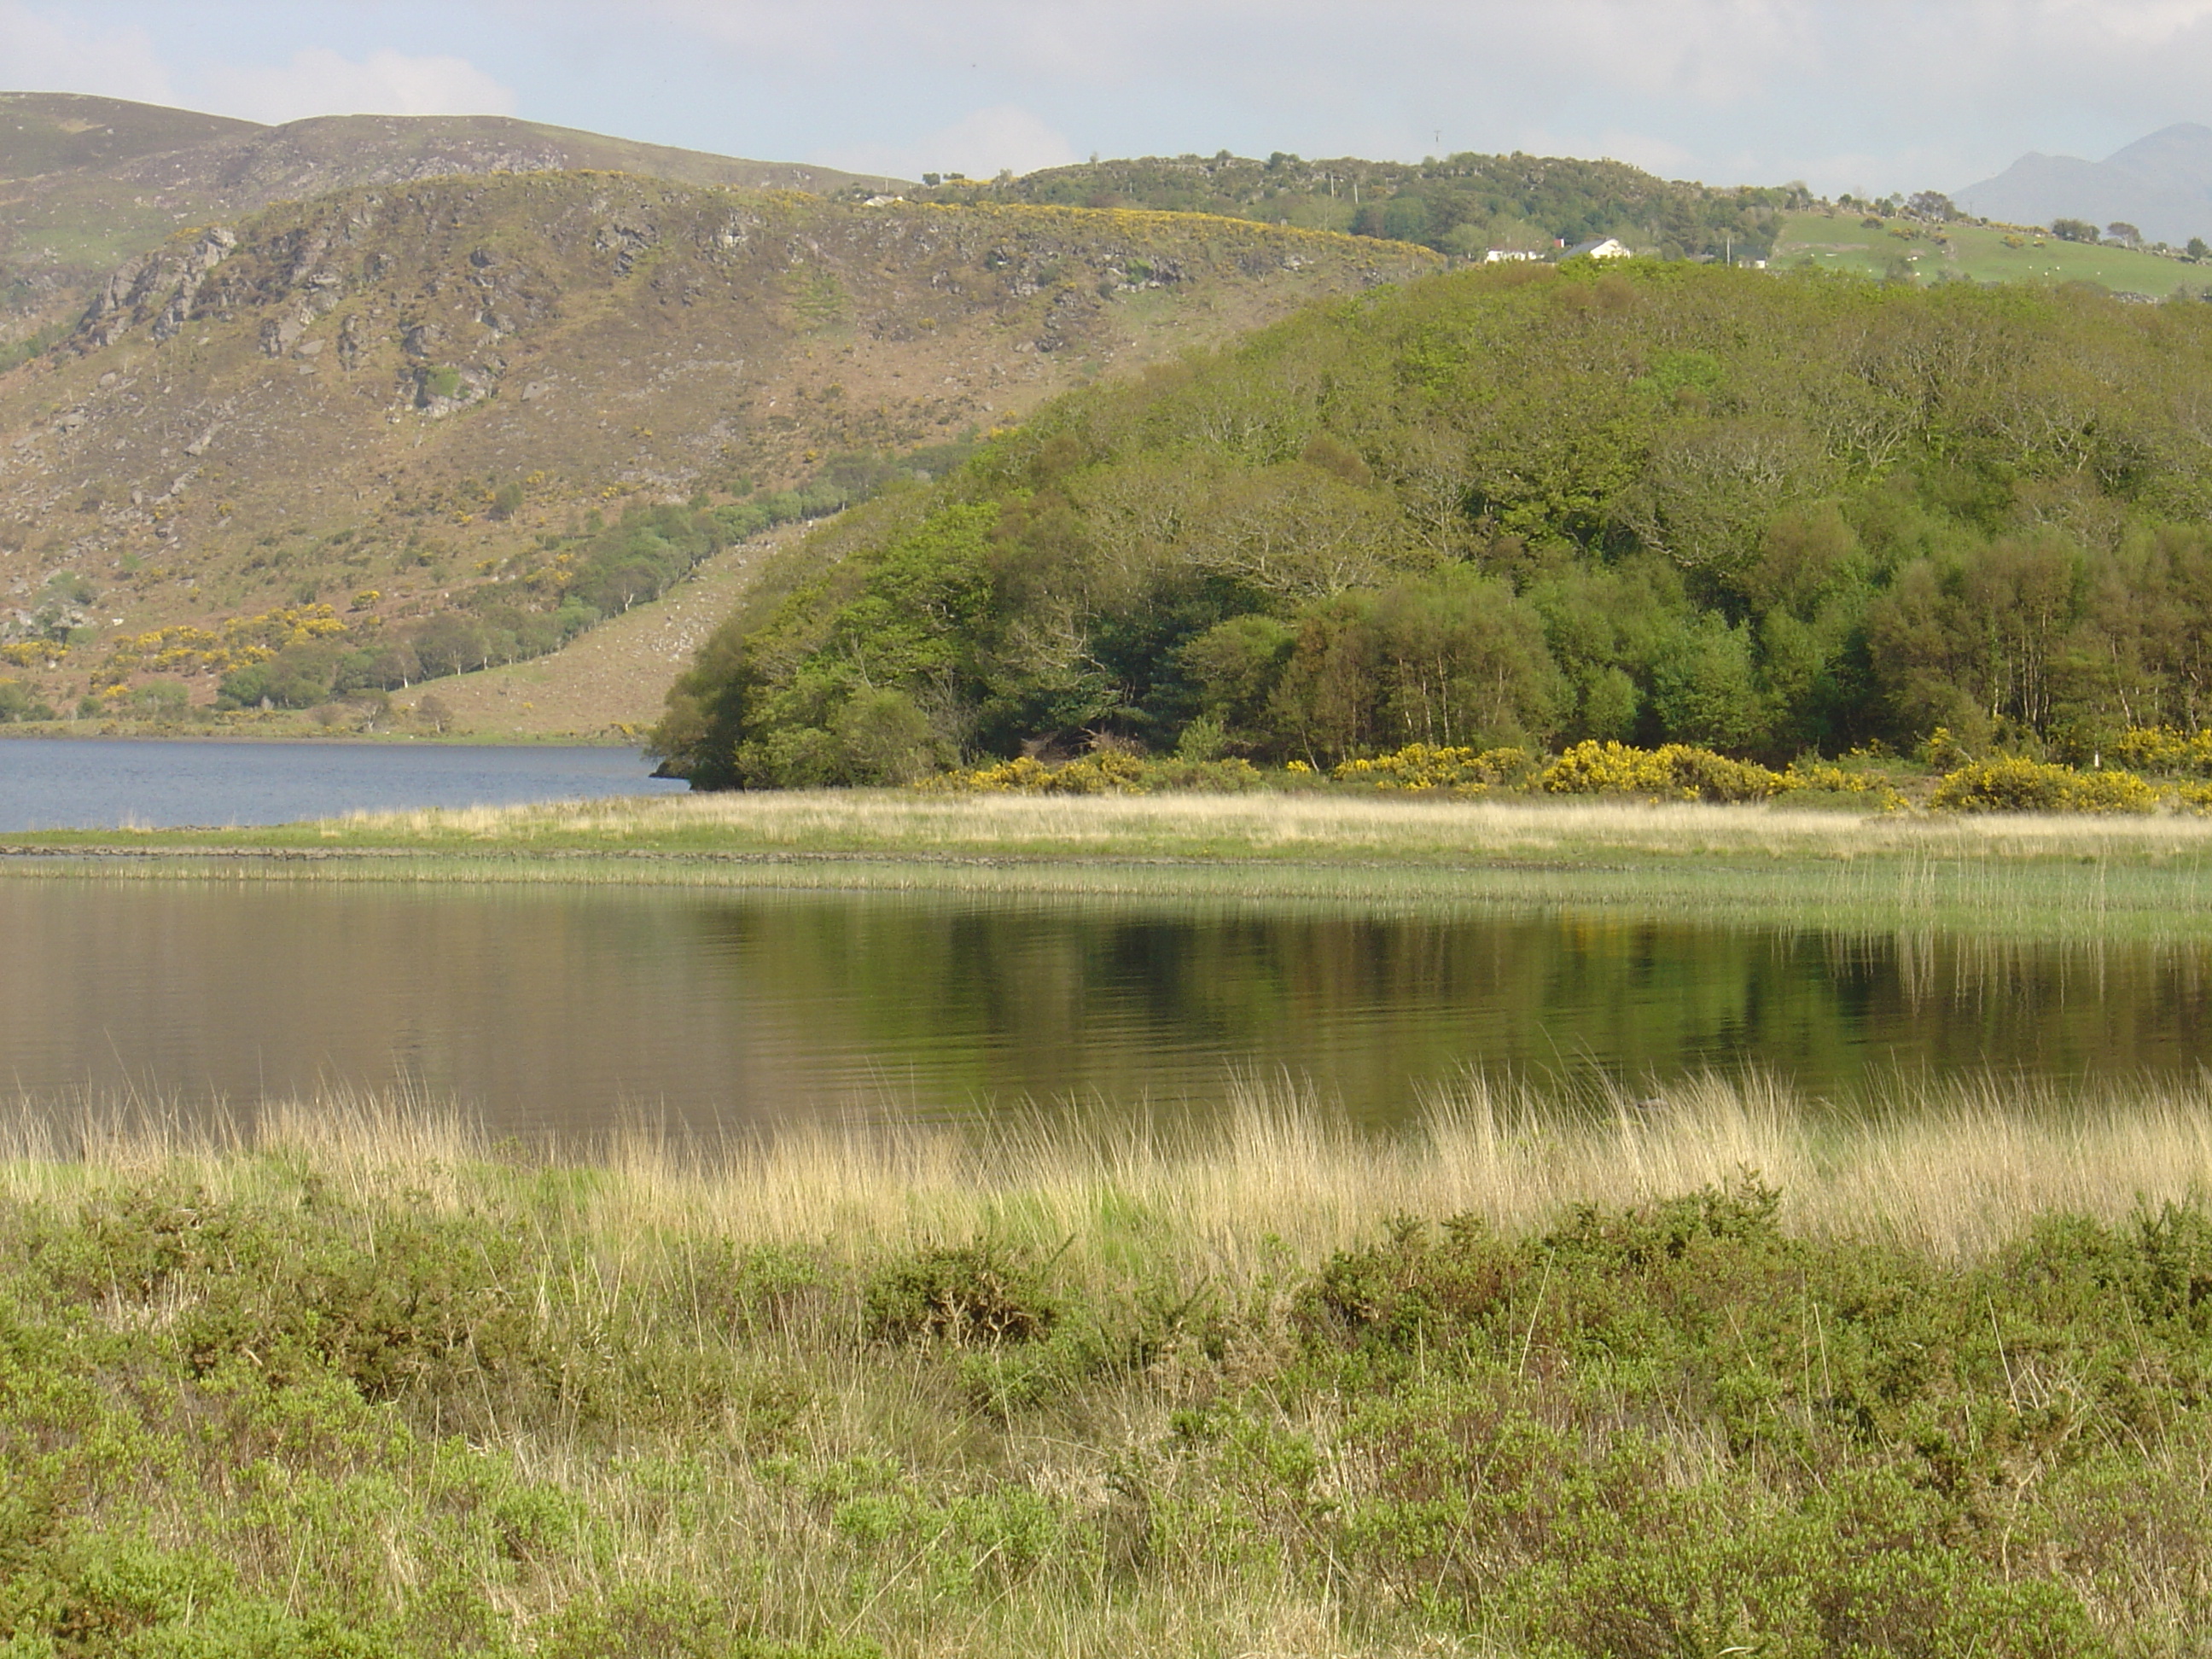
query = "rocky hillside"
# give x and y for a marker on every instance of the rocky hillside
(459, 395)
(85, 183)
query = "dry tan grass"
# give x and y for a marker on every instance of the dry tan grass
(1952, 1170)
(1282, 822)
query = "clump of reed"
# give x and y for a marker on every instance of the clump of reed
(1947, 1169)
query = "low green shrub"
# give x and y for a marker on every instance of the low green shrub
(967, 1295)
(278, 1421)
(21, 701)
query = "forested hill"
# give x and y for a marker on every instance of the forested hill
(1463, 205)
(1665, 501)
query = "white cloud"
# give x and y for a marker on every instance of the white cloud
(42, 50)
(1913, 91)
(979, 144)
(1877, 94)
(320, 82)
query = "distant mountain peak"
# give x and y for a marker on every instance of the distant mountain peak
(2176, 156)
(2161, 184)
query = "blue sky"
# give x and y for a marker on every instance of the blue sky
(1869, 95)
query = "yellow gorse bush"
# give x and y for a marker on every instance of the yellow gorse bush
(33, 653)
(1674, 772)
(1418, 767)
(1677, 769)
(2017, 784)
(1106, 772)
(241, 641)
(2165, 749)
(1828, 778)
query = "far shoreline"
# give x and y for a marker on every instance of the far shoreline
(1995, 876)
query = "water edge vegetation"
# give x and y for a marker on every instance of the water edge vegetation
(1552, 1375)
(2023, 875)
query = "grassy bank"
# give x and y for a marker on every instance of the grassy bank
(1550, 1377)
(2026, 876)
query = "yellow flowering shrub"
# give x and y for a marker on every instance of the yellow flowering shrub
(33, 653)
(2164, 749)
(1105, 772)
(2017, 784)
(1418, 766)
(1828, 778)
(1679, 770)
(239, 642)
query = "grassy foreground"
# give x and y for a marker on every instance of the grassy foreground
(2050, 876)
(1548, 1377)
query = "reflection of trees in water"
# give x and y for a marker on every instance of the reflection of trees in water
(1093, 998)
(567, 1004)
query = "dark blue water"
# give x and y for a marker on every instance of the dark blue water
(64, 784)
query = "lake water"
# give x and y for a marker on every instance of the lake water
(566, 1009)
(66, 784)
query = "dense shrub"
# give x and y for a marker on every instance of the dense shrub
(964, 1295)
(1676, 770)
(1418, 767)
(2164, 749)
(2016, 784)
(1104, 771)
(311, 1419)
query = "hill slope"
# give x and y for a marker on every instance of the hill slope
(1531, 507)
(85, 183)
(1902, 249)
(482, 394)
(2162, 185)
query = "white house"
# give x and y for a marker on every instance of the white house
(1598, 247)
(1498, 256)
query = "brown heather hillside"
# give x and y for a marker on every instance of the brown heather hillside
(393, 401)
(85, 183)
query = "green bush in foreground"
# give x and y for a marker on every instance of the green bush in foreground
(299, 1422)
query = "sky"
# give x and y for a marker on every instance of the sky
(1868, 96)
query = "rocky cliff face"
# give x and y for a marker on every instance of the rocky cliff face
(91, 182)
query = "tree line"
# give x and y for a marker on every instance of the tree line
(1769, 514)
(1461, 204)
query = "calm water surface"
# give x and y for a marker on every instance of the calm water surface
(65, 784)
(567, 1009)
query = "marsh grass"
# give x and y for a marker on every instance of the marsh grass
(1558, 1373)
(1948, 1169)
(2028, 877)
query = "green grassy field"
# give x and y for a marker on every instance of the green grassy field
(1547, 1377)
(1838, 241)
(2055, 877)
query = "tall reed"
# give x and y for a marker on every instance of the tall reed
(1950, 1168)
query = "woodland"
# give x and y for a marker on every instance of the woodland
(1773, 514)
